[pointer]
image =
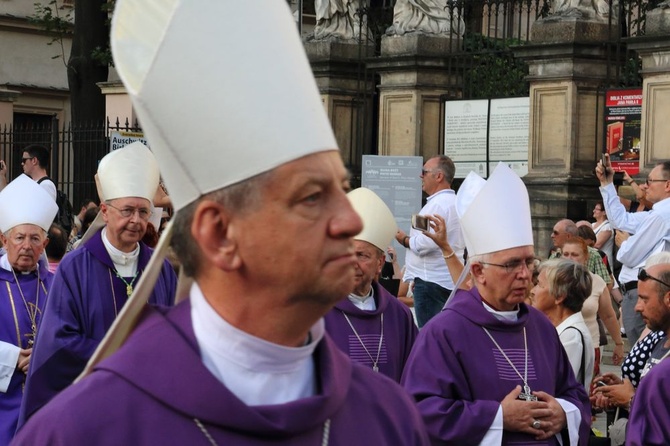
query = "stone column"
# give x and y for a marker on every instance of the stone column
(414, 76)
(338, 68)
(7, 99)
(565, 118)
(654, 50)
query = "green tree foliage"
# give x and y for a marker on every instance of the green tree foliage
(492, 71)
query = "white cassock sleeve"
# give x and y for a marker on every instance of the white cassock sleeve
(9, 356)
(572, 415)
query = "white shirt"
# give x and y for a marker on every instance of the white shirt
(365, 303)
(50, 187)
(572, 343)
(650, 232)
(256, 371)
(124, 262)
(608, 246)
(424, 258)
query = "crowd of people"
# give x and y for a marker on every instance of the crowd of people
(280, 329)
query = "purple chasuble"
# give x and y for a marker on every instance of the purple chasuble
(458, 377)
(84, 299)
(399, 332)
(649, 421)
(152, 391)
(15, 329)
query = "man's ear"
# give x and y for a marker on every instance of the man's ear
(380, 263)
(214, 232)
(477, 273)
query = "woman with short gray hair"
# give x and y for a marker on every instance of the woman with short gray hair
(562, 288)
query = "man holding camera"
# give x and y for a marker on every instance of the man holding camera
(650, 233)
(424, 262)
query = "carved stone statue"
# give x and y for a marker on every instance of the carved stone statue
(597, 10)
(338, 20)
(439, 17)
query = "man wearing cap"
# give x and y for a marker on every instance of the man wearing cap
(263, 226)
(93, 282)
(372, 326)
(424, 263)
(26, 212)
(650, 234)
(489, 369)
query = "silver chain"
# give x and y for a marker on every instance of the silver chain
(524, 378)
(379, 348)
(324, 440)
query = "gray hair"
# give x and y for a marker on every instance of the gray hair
(239, 198)
(447, 167)
(569, 279)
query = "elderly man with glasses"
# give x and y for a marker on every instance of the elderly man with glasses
(650, 233)
(93, 282)
(26, 211)
(489, 369)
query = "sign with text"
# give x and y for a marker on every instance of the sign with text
(396, 179)
(623, 123)
(122, 139)
(483, 132)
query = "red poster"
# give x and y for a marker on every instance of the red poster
(623, 117)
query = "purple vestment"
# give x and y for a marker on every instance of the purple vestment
(399, 332)
(80, 310)
(649, 421)
(152, 391)
(15, 325)
(458, 377)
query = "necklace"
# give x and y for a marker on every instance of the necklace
(205, 432)
(381, 339)
(31, 308)
(129, 286)
(526, 394)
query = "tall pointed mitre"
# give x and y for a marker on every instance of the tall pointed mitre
(223, 89)
(131, 171)
(23, 201)
(494, 214)
(379, 225)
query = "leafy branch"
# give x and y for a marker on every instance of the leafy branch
(48, 17)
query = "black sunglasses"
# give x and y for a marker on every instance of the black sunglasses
(643, 276)
(23, 160)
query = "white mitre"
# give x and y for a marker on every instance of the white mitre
(379, 225)
(131, 171)
(23, 201)
(223, 89)
(494, 214)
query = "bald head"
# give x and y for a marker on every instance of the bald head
(563, 231)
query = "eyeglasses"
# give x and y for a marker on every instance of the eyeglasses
(128, 212)
(424, 171)
(23, 160)
(643, 276)
(515, 266)
(654, 181)
(597, 209)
